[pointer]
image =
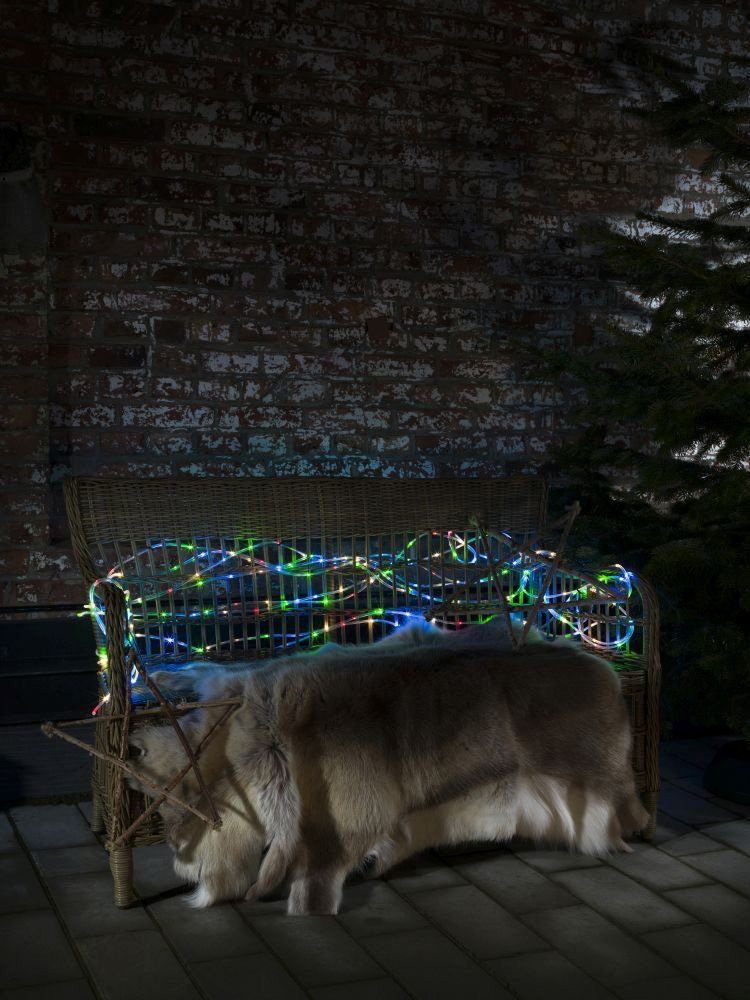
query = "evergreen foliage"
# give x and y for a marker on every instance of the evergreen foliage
(662, 455)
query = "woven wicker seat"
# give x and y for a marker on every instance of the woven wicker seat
(242, 568)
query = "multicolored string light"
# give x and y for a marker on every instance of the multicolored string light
(430, 571)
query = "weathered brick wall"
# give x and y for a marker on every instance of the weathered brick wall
(27, 562)
(294, 237)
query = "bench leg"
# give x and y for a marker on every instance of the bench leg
(121, 865)
(97, 814)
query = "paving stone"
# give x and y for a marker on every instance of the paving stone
(136, 964)
(677, 987)
(33, 949)
(597, 946)
(260, 976)
(621, 899)
(20, 888)
(423, 872)
(85, 904)
(689, 843)
(431, 968)
(316, 950)
(655, 869)
(705, 955)
(73, 989)
(545, 974)
(690, 808)
(719, 906)
(86, 809)
(695, 786)
(741, 809)
(153, 870)
(479, 924)
(545, 860)
(52, 826)
(199, 935)
(374, 908)
(667, 828)
(71, 860)
(8, 842)
(514, 884)
(730, 867)
(695, 752)
(735, 834)
(371, 989)
(671, 767)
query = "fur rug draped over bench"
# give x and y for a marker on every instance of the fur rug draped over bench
(204, 571)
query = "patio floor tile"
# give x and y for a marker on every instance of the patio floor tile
(719, 906)
(316, 950)
(656, 869)
(477, 923)
(33, 949)
(729, 867)
(514, 884)
(19, 885)
(705, 955)
(258, 976)
(200, 935)
(546, 974)
(73, 989)
(430, 967)
(623, 900)
(136, 964)
(52, 826)
(594, 944)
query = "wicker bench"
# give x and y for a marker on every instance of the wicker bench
(233, 569)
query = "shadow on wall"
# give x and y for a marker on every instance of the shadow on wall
(23, 219)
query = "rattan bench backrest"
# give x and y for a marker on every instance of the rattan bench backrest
(104, 511)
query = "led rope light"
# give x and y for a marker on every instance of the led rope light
(461, 565)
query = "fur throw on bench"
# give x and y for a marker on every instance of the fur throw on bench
(422, 739)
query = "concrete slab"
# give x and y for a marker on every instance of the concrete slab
(259, 975)
(73, 989)
(33, 950)
(656, 869)
(690, 843)
(514, 884)
(477, 923)
(546, 974)
(316, 950)
(201, 935)
(691, 808)
(735, 834)
(718, 905)
(701, 952)
(71, 860)
(372, 989)
(729, 867)
(430, 967)
(674, 988)
(138, 964)
(423, 872)
(622, 900)
(20, 888)
(86, 907)
(375, 908)
(52, 827)
(595, 945)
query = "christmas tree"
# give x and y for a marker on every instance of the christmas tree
(661, 454)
